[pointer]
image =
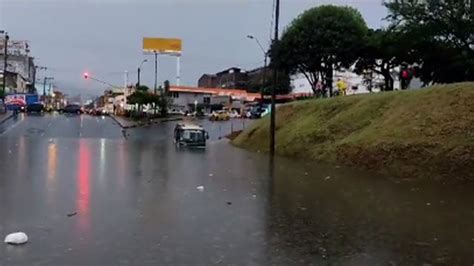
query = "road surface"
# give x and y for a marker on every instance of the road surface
(87, 193)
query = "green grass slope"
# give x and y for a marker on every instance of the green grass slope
(428, 132)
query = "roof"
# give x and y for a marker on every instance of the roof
(209, 75)
(235, 69)
(190, 127)
(234, 93)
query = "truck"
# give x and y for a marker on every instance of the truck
(19, 101)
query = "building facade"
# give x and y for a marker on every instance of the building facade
(20, 73)
(186, 98)
(232, 78)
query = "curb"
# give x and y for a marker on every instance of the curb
(8, 117)
(140, 124)
(120, 124)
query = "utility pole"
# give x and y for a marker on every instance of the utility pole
(44, 84)
(138, 78)
(275, 82)
(139, 72)
(5, 58)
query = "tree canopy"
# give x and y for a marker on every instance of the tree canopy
(319, 41)
(442, 36)
(383, 51)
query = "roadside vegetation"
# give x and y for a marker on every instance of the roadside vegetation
(142, 97)
(408, 134)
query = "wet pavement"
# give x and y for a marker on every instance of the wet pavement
(87, 195)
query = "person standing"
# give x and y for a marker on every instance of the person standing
(342, 87)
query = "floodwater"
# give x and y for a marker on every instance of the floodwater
(85, 195)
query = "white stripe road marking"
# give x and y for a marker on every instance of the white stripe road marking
(80, 130)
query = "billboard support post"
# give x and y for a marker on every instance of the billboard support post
(156, 72)
(178, 70)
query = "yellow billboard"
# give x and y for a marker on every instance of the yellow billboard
(162, 45)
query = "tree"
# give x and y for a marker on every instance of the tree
(139, 98)
(161, 101)
(384, 50)
(448, 21)
(143, 88)
(319, 41)
(444, 36)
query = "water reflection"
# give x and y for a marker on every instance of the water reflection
(52, 162)
(102, 159)
(83, 187)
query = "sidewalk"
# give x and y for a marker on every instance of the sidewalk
(4, 117)
(125, 122)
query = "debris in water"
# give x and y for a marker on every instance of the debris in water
(17, 238)
(211, 174)
(305, 173)
(428, 204)
(72, 214)
(254, 196)
(229, 203)
(200, 188)
(327, 178)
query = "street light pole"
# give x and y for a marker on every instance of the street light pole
(139, 70)
(265, 53)
(275, 81)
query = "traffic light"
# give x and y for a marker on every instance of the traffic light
(86, 75)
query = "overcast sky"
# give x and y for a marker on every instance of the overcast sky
(104, 37)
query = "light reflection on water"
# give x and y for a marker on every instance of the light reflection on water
(83, 193)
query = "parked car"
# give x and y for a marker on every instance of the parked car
(221, 115)
(48, 109)
(176, 112)
(258, 112)
(234, 114)
(73, 109)
(35, 108)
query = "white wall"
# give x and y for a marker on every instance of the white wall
(184, 99)
(300, 84)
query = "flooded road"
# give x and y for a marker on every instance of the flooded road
(85, 195)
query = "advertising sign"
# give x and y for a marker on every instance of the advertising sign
(162, 46)
(15, 99)
(15, 47)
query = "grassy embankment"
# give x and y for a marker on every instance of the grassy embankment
(409, 134)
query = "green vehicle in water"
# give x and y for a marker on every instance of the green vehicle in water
(190, 135)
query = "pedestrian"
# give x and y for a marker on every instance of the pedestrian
(341, 86)
(177, 133)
